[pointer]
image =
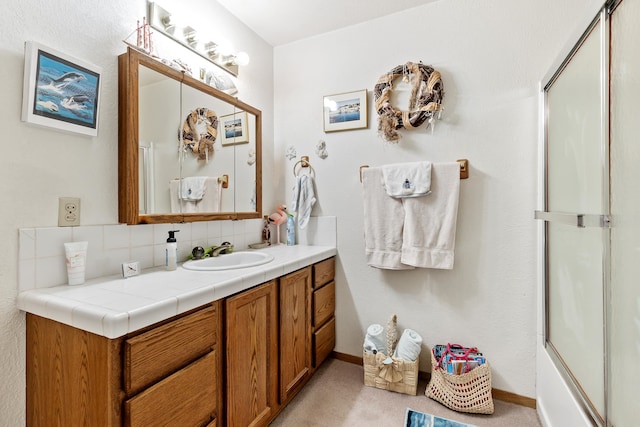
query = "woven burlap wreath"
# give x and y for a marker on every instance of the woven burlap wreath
(426, 99)
(199, 132)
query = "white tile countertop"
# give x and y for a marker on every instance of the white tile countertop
(113, 306)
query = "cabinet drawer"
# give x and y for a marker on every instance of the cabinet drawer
(324, 303)
(153, 355)
(324, 340)
(186, 398)
(324, 272)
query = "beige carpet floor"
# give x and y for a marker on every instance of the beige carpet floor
(336, 396)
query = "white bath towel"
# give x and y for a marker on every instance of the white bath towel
(407, 179)
(383, 223)
(193, 188)
(404, 233)
(409, 345)
(376, 339)
(303, 199)
(428, 237)
(210, 201)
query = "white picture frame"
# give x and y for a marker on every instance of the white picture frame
(59, 91)
(345, 111)
(234, 129)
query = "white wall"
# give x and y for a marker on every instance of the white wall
(40, 165)
(491, 55)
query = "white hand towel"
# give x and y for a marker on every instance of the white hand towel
(178, 205)
(409, 346)
(192, 188)
(383, 223)
(210, 201)
(303, 199)
(376, 338)
(407, 179)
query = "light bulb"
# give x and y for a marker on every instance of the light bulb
(242, 59)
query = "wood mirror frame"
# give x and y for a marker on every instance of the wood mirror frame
(128, 139)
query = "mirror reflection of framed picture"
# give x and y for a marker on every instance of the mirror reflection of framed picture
(234, 129)
(59, 91)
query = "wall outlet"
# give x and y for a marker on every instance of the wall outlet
(68, 211)
(131, 268)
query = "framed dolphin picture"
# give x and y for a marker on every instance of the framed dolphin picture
(60, 92)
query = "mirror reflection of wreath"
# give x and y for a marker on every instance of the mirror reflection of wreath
(199, 132)
(426, 99)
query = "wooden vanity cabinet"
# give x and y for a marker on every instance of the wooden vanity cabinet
(274, 332)
(167, 374)
(269, 339)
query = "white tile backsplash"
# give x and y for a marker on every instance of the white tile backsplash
(26, 274)
(41, 250)
(50, 241)
(27, 247)
(141, 235)
(116, 237)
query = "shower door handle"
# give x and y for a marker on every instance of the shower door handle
(579, 220)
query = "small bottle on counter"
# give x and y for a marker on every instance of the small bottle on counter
(291, 230)
(171, 252)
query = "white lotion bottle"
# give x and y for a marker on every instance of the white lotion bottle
(171, 252)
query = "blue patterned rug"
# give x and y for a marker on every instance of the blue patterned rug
(419, 419)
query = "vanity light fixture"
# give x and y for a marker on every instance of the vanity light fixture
(162, 21)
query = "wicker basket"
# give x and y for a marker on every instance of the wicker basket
(470, 392)
(401, 375)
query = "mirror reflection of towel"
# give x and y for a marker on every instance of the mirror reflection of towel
(210, 201)
(192, 188)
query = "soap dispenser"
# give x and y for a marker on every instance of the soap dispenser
(291, 230)
(171, 252)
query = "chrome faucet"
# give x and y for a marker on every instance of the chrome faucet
(224, 248)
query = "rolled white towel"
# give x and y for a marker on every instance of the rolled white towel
(409, 346)
(375, 339)
(369, 347)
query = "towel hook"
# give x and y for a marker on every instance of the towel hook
(304, 163)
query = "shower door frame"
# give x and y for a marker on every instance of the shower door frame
(602, 221)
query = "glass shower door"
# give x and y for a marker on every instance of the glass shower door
(576, 215)
(625, 209)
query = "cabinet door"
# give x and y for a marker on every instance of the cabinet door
(73, 376)
(252, 354)
(295, 331)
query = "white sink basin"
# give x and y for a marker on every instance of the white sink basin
(230, 261)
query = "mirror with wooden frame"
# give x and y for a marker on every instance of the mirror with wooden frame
(187, 151)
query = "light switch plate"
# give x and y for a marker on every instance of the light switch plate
(131, 268)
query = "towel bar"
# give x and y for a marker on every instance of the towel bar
(464, 169)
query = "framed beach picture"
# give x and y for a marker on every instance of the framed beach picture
(59, 91)
(345, 111)
(234, 128)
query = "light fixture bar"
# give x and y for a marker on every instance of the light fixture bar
(160, 19)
